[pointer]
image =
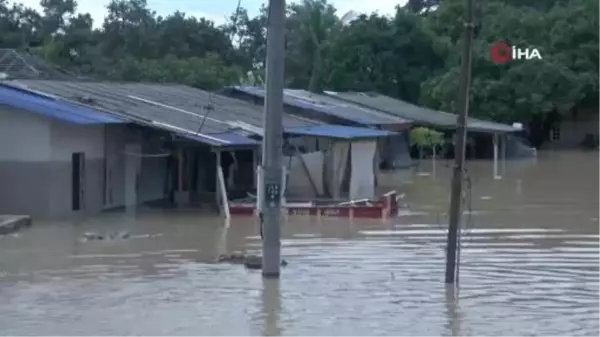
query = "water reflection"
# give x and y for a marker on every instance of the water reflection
(529, 266)
(453, 310)
(271, 307)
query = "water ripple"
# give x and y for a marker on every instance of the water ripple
(379, 282)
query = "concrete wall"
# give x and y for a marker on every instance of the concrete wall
(66, 139)
(35, 164)
(153, 170)
(124, 145)
(575, 127)
(36, 169)
(24, 150)
(114, 188)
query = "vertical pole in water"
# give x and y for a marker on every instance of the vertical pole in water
(504, 144)
(273, 138)
(496, 176)
(459, 152)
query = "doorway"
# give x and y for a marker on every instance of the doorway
(77, 181)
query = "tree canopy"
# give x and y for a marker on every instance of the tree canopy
(413, 55)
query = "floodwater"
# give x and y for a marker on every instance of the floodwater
(529, 266)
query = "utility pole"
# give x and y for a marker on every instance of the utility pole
(459, 150)
(272, 141)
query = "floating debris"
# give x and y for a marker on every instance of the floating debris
(93, 236)
(249, 261)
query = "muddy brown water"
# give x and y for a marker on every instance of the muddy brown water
(529, 266)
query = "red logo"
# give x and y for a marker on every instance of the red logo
(501, 52)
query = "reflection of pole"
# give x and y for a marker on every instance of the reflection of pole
(271, 301)
(222, 240)
(496, 176)
(452, 311)
(459, 152)
(272, 141)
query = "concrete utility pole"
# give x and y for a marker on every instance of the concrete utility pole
(272, 141)
(459, 151)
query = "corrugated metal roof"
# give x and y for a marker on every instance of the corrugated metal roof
(181, 109)
(51, 107)
(24, 64)
(420, 115)
(329, 106)
(339, 131)
(225, 139)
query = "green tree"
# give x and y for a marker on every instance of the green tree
(413, 55)
(425, 139)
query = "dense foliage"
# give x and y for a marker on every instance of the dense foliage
(413, 55)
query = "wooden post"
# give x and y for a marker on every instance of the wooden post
(180, 171)
(217, 187)
(254, 168)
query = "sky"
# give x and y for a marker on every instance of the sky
(219, 10)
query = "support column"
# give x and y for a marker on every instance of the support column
(496, 176)
(254, 167)
(217, 187)
(182, 197)
(132, 169)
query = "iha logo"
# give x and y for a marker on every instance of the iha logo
(502, 52)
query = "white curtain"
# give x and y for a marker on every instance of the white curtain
(337, 161)
(299, 183)
(362, 179)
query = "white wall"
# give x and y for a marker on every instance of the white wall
(24, 150)
(66, 139)
(35, 164)
(36, 169)
(24, 136)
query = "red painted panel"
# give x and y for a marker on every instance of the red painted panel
(384, 207)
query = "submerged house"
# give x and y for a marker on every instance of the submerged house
(392, 151)
(73, 147)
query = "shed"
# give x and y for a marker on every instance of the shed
(348, 168)
(501, 133)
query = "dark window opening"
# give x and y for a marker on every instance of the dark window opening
(78, 178)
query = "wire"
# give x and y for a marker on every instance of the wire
(208, 108)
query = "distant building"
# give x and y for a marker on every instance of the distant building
(481, 133)
(577, 129)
